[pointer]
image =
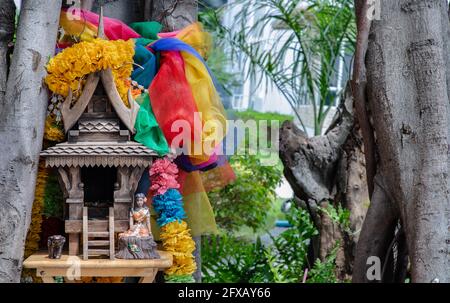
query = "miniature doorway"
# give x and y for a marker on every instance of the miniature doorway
(99, 185)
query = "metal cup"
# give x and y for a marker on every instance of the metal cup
(55, 246)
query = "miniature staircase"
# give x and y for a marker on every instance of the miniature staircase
(95, 242)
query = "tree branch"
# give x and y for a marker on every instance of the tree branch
(376, 235)
(359, 83)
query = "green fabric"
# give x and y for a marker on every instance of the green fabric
(147, 129)
(147, 29)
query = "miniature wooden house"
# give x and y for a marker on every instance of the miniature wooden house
(99, 167)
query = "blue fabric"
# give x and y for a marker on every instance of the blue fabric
(174, 44)
(145, 70)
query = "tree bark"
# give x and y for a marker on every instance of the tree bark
(22, 117)
(172, 14)
(127, 11)
(328, 171)
(377, 233)
(407, 93)
(7, 15)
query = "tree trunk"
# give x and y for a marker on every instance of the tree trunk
(172, 14)
(7, 15)
(127, 11)
(22, 117)
(406, 98)
(328, 171)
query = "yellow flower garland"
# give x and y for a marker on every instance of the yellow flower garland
(69, 68)
(177, 240)
(32, 241)
(53, 132)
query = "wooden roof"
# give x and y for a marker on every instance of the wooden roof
(71, 114)
(98, 154)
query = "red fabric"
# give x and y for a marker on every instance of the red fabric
(171, 97)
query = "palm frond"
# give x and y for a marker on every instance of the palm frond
(299, 56)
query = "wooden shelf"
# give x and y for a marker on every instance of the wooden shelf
(69, 265)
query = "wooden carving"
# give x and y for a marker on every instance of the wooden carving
(127, 115)
(71, 115)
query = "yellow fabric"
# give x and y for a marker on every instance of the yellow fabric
(205, 95)
(208, 102)
(69, 69)
(81, 29)
(195, 36)
(200, 216)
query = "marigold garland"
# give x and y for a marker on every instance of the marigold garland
(69, 68)
(53, 131)
(32, 241)
(177, 239)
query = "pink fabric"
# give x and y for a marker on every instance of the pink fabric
(114, 29)
(169, 34)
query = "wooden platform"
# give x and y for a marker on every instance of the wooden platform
(72, 267)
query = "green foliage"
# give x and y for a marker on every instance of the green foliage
(291, 246)
(338, 215)
(323, 272)
(258, 116)
(301, 54)
(248, 200)
(229, 259)
(179, 279)
(53, 198)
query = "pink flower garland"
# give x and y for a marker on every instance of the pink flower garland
(163, 175)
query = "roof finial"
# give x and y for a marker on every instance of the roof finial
(101, 26)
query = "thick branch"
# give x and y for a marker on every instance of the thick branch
(310, 164)
(359, 83)
(376, 235)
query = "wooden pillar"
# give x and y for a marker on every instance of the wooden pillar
(73, 189)
(122, 197)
